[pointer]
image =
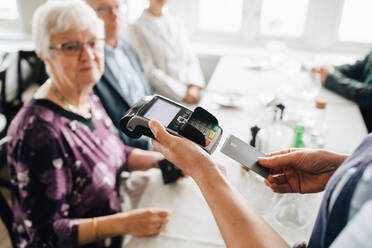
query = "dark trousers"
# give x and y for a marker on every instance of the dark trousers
(367, 116)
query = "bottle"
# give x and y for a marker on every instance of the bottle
(318, 131)
(254, 130)
(275, 137)
(298, 139)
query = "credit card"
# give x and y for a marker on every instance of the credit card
(245, 154)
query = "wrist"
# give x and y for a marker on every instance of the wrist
(111, 225)
(211, 179)
(156, 158)
(120, 223)
(339, 159)
(204, 172)
(95, 232)
(335, 159)
(155, 164)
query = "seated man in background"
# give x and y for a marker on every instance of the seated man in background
(354, 82)
(123, 82)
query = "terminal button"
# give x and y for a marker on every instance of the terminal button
(181, 119)
(211, 135)
(207, 142)
(215, 128)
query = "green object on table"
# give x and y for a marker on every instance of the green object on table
(298, 139)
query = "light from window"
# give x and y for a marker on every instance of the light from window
(220, 15)
(135, 9)
(284, 17)
(356, 21)
(8, 9)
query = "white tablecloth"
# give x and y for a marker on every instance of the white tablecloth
(192, 224)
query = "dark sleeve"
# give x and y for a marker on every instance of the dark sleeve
(354, 71)
(354, 90)
(46, 184)
(141, 143)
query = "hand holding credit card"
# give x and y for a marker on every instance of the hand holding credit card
(245, 154)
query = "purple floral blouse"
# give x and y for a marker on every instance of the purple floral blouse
(63, 167)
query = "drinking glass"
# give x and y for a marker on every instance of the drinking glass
(291, 213)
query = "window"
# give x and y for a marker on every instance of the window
(220, 15)
(8, 9)
(327, 25)
(284, 17)
(356, 21)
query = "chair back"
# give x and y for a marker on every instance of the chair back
(6, 213)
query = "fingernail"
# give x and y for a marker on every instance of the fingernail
(152, 126)
(262, 159)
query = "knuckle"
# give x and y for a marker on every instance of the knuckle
(149, 212)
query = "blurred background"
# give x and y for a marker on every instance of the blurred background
(225, 27)
(256, 57)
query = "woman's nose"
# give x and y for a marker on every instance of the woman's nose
(87, 52)
(114, 14)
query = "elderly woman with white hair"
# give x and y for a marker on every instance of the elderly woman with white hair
(66, 156)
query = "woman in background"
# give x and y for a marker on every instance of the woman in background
(66, 156)
(171, 67)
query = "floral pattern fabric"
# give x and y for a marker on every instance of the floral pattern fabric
(63, 168)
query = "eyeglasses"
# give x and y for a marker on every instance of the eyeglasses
(105, 11)
(75, 48)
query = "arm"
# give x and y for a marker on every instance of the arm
(194, 74)
(349, 81)
(142, 160)
(239, 224)
(359, 92)
(138, 222)
(355, 70)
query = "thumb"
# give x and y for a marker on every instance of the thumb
(278, 160)
(158, 130)
(164, 212)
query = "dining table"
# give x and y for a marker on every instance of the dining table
(240, 90)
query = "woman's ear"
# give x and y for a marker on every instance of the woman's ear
(43, 58)
(46, 61)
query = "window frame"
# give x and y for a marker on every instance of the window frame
(322, 16)
(13, 9)
(347, 43)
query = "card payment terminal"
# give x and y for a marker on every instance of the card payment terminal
(199, 125)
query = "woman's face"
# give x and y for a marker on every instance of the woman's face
(77, 58)
(159, 3)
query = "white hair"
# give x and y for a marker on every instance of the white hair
(57, 16)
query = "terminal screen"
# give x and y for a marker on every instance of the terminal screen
(162, 111)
